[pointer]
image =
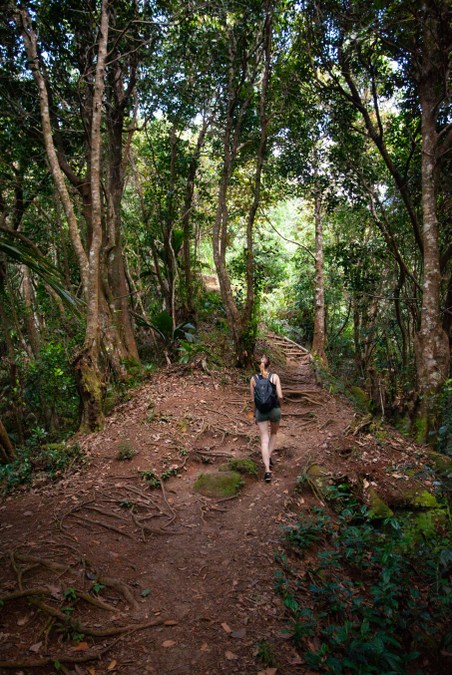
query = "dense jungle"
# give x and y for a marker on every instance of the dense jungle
(184, 187)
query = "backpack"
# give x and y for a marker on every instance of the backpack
(265, 397)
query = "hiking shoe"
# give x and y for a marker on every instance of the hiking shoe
(268, 476)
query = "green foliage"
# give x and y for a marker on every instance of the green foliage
(370, 599)
(43, 463)
(22, 253)
(154, 480)
(151, 478)
(189, 350)
(445, 428)
(266, 653)
(97, 587)
(70, 593)
(126, 451)
(50, 391)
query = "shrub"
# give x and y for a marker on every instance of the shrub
(375, 603)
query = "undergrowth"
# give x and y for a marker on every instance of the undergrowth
(39, 464)
(363, 599)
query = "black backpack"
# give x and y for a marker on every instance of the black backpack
(265, 397)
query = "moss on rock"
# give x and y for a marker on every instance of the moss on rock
(442, 463)
(378, 509)
(360, 397)
(244, 466)
(221, 484)
(422, 499)
(416, 498)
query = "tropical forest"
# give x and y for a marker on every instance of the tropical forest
(225, 337)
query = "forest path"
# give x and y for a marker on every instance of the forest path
(195, 574)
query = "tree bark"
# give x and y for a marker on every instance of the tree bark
(186, 220)
(29, 315)
(431, 341)
(7, 452)
(90, 381)
(113, 250)
(318, 340)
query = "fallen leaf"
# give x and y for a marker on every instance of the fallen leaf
(168, 643)
(111, 665)
(268, 671)
(92, 670)
(171, 622)
(81, 647)
(36, 647)
(231, 656)
(204, 647)
(23, 621)
(226, 628)
(239, 633)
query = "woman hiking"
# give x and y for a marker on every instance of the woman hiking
(266, 394)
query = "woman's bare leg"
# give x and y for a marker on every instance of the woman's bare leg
(265, 439)
(274, 426)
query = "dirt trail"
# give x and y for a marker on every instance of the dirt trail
(201, 570)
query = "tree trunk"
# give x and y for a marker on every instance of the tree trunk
(431, 342)
(242, 324)
(186, 220)
(114, 253)
(29, 314)
(89, 380)
(318, 340)
(7, 453)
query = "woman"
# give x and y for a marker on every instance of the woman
(273, 415)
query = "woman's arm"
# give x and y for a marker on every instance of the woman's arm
(278, 388)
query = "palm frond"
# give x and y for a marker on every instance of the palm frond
(22, 253)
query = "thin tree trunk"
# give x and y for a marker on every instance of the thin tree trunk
(90, 381)
(241, 323)
(318, 340)
(30, 42)
(29, 315)
(186, 219)
(114, 252)
(431, 342)
(7, 452)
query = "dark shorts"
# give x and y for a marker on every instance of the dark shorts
(273, 415)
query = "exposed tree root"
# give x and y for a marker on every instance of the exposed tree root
(326, 424)
(357, 427)
(84, 519)
(92, 655)
(300, 394)
(208, 453)
(306, 415)
(55, 566)
(220, 412)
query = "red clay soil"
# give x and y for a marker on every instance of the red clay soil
(185, 582)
